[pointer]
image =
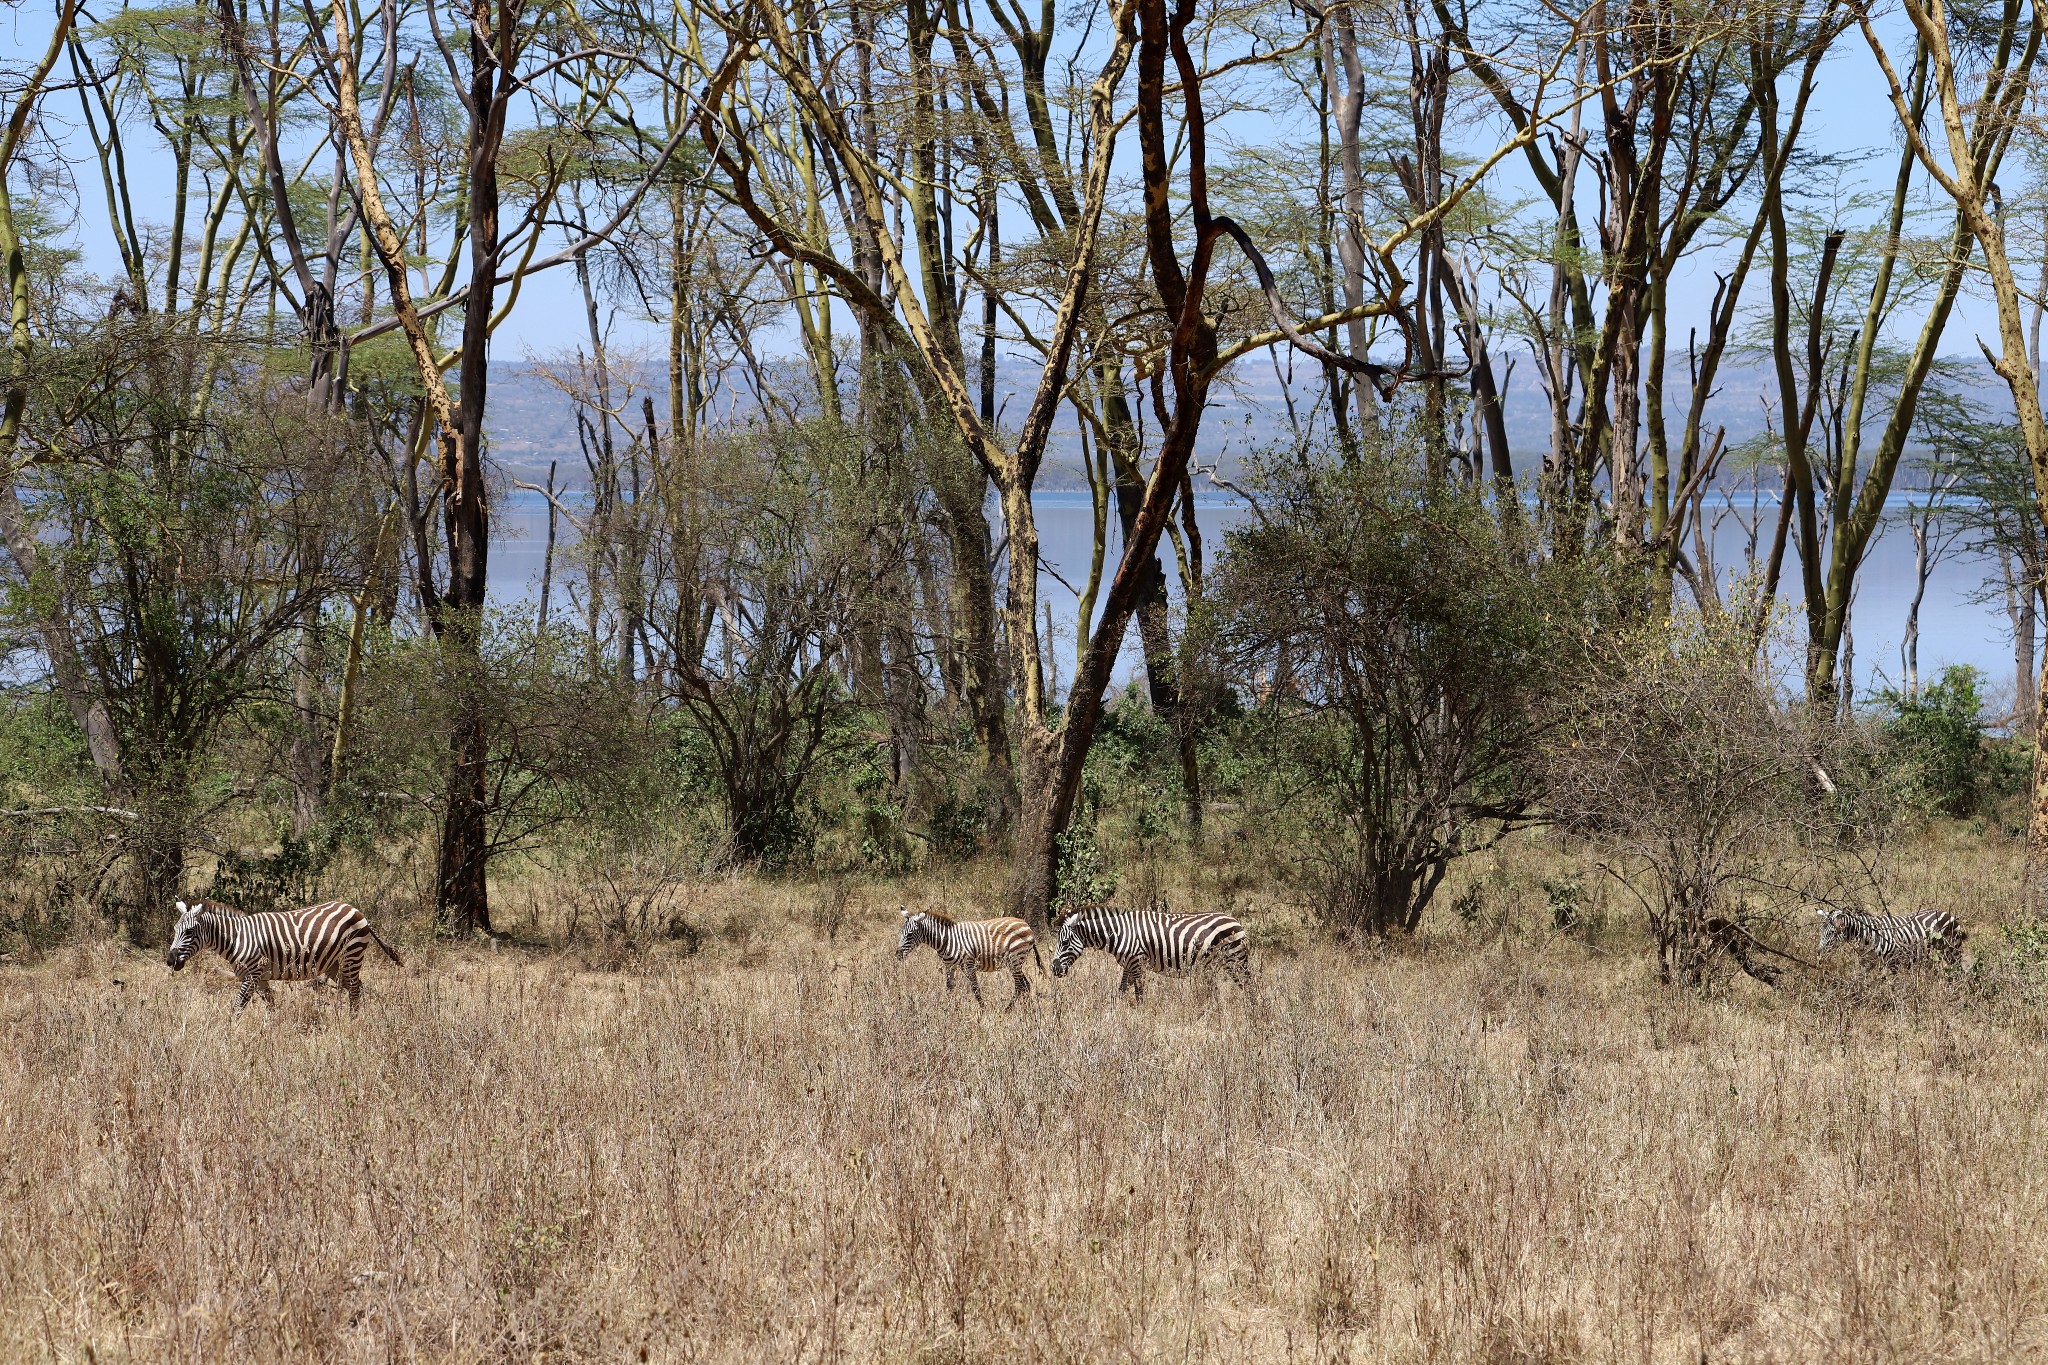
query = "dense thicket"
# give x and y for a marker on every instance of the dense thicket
(852, 278)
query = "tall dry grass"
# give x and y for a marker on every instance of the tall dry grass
(1502, 1144)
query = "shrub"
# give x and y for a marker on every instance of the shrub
(1083, 876)
(1938, 739)
(1405, 638)
(1715, 798)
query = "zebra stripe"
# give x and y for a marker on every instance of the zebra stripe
(1154, 940)
(1895, 939)
(985, 945)
(326, 940)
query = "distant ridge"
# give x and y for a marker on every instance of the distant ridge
(531, 420)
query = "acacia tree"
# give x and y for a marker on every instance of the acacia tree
(1185, 249)
(913, 319)
(485, 60)
(185, 516)
(1976, 129)
(1703, 788)
(169, 513)
(1993, 510)
(1414, 650)
(1834, 297)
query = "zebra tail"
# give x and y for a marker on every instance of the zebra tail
(1035, 957)
(378, 939)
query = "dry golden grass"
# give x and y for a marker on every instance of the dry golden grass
(1497, 1145)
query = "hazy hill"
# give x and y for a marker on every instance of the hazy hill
(532, 421)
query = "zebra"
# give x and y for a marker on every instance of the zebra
(985, 945)
(1159, 940)
(326, 940)
(1895, 939)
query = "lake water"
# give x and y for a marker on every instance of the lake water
(1955, 627)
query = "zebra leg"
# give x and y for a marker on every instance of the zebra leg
(1134, 978)
(1023, 987)
(349, 972)
(974, 985)
(949, 976)
(255, 983)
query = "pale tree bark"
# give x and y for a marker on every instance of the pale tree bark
(1974, 133)
(2022, 610)
(1931, 542)
(1179, 246)
(1344, 79)
(912, 325)
(462, 902)
(88, 711)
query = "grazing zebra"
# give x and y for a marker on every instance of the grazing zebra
(279, 945)
(1160, 940)
(984, 945)
(1895, 939)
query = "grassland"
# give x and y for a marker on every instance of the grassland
(1500, 1143)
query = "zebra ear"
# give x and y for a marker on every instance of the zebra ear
(903, 910)
(184, 908)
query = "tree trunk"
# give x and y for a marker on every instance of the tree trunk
(1161, 674)
(53, 626)
(461, 896)
(309, 754)
(547, 556)
(462, 899)
(1977, 132)
(461, 902)
(160, 873)
(1923, 567)
(1054, 759)
(972, 596)
(2034, 893)
(2025, 695)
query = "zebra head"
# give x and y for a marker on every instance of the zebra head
(1834, 928)
(1068, 948)
(912, 935)
(186, 939)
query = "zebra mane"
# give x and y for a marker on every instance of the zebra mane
(214, 907)
(939, 916)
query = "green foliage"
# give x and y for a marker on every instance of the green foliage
(42, 754)
(2014, 964)
(563, 746)
(53, 844)
(957, 826)
(1937, 738)
(189, 516)
(1133, 770)
(1398, 636)
(283, 880)
(1566, 897)
(787, 535)
(1081, 874)
(145, 38)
